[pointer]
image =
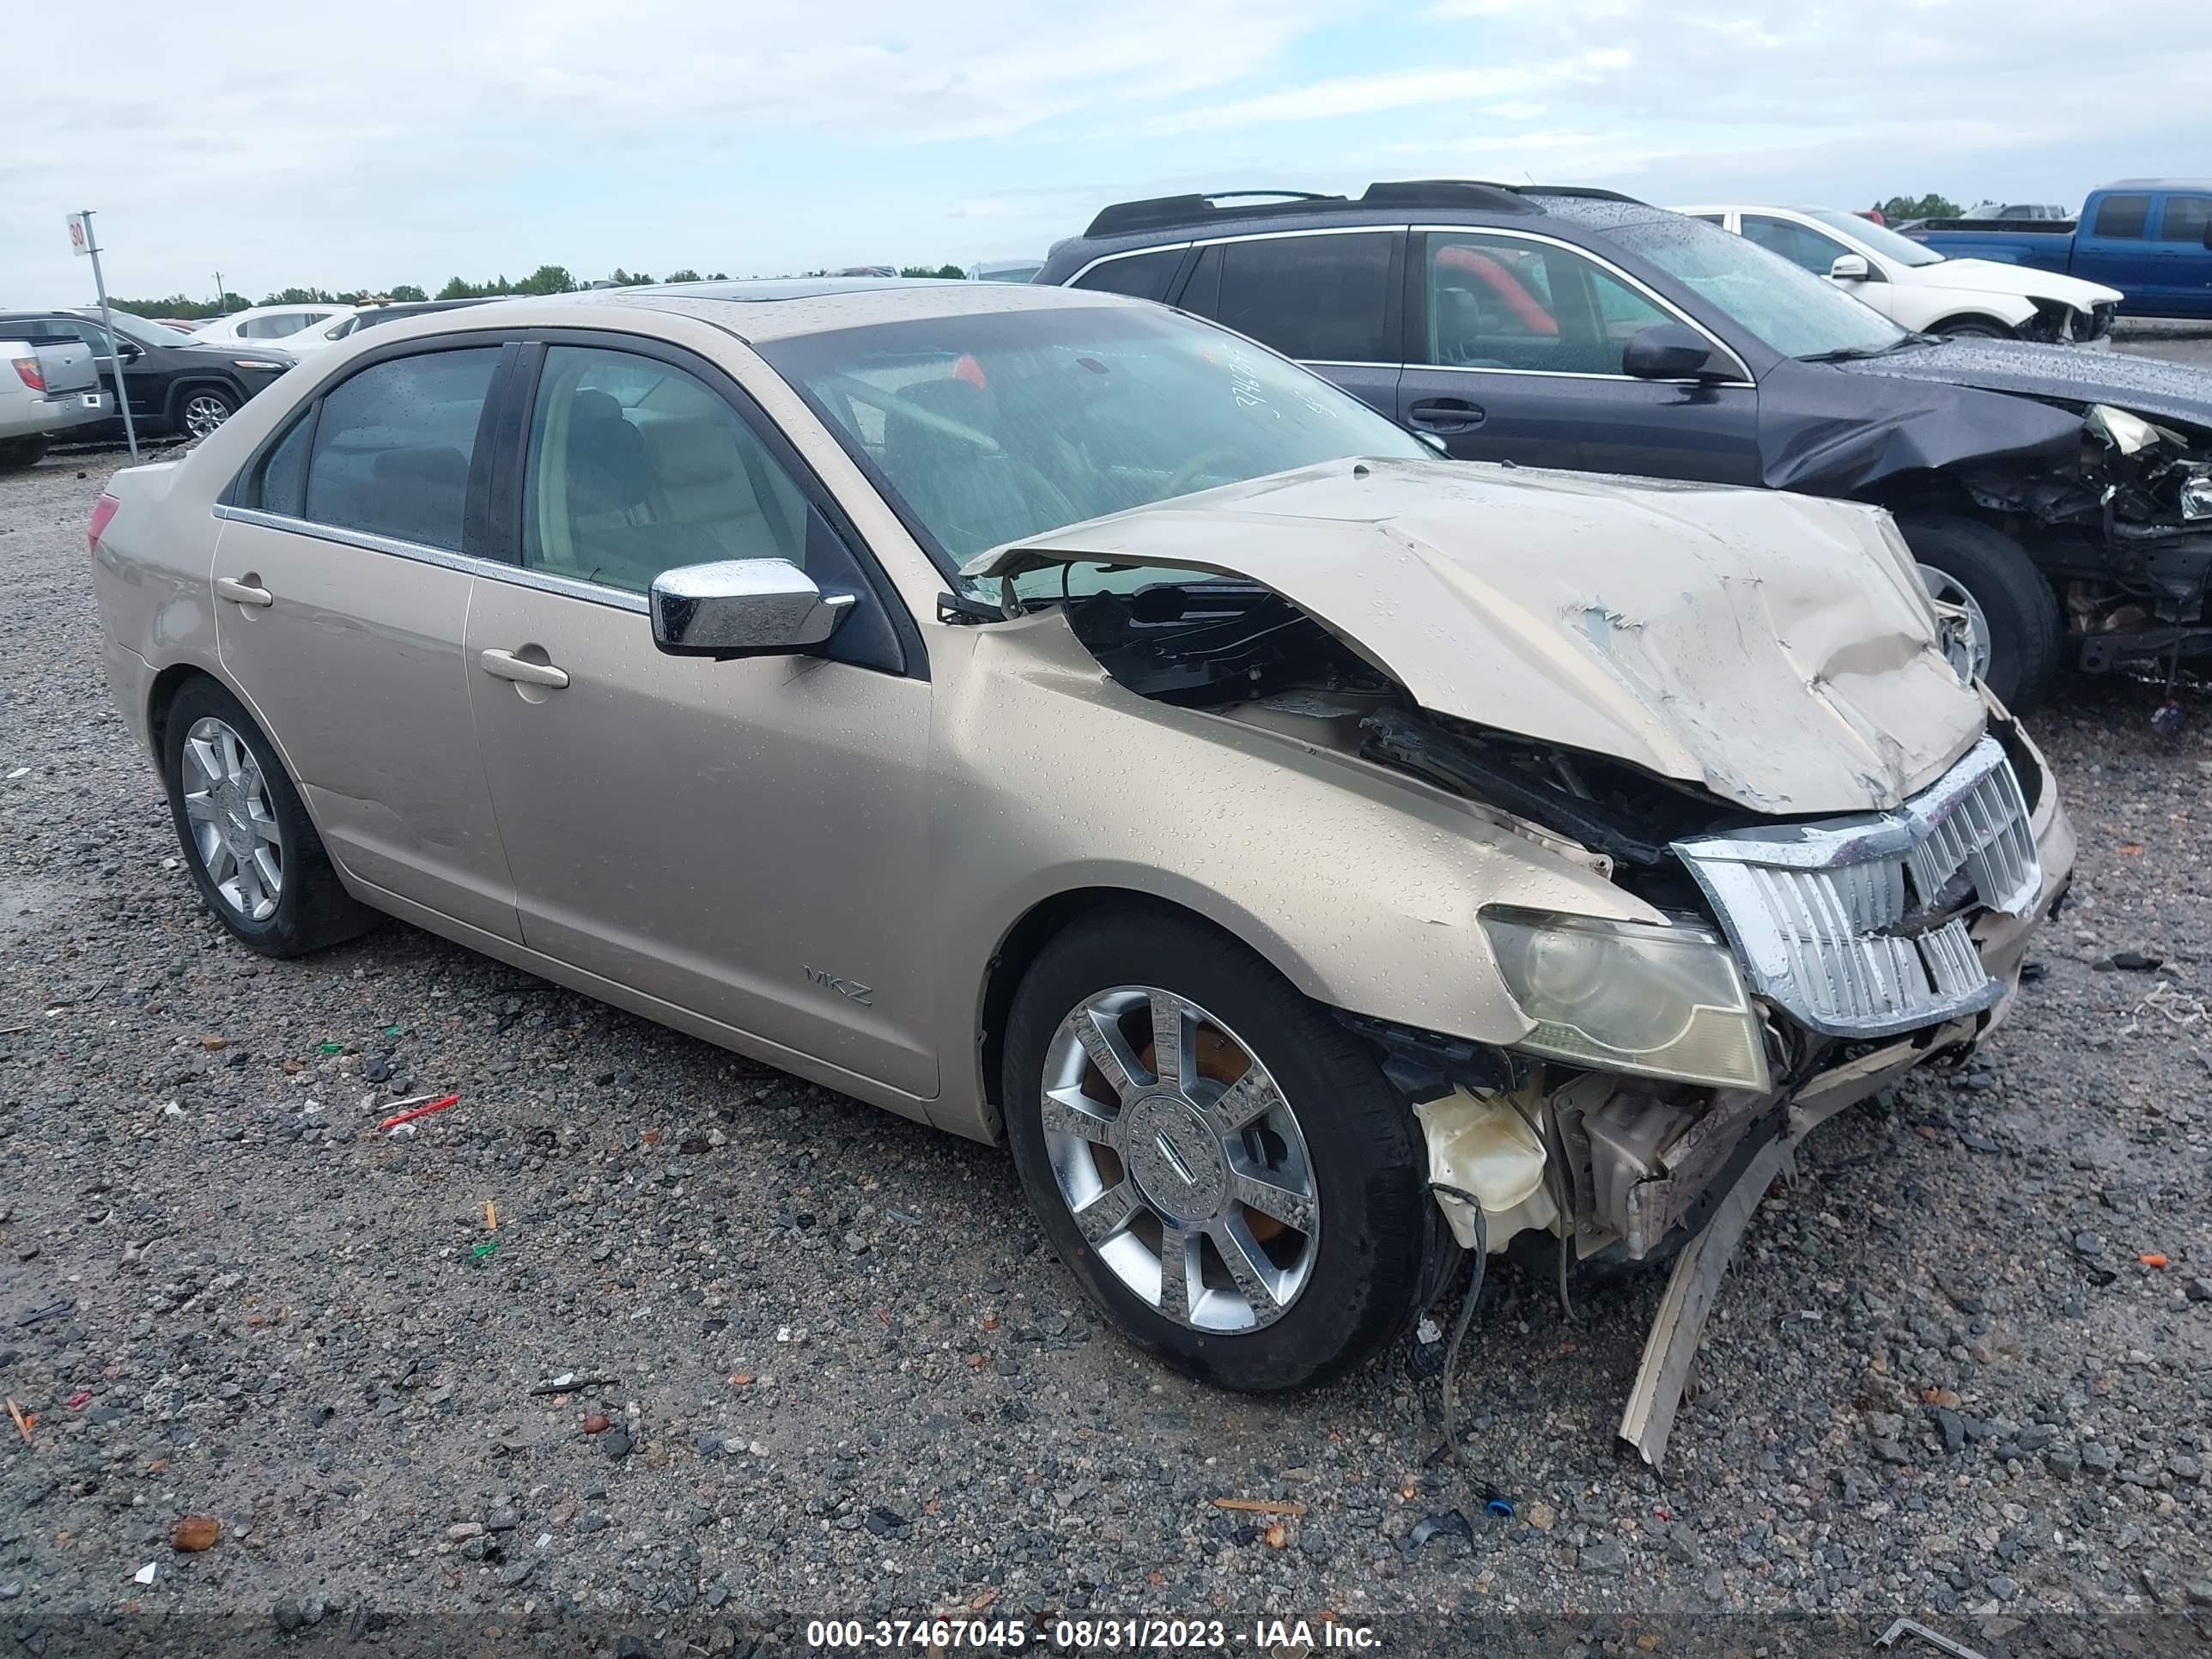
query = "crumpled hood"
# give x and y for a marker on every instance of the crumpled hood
(2144, 386)
(1989, 277)
(1776, 649)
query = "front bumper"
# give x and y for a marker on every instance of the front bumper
(1723, 1203)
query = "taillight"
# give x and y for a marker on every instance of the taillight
(27, 371)
(103, 511)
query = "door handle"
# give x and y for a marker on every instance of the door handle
(506, 665)
(1445, 414)
(242, 593)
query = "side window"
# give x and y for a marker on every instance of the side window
(1322, 299)
(636, 466)
(391, 450)
(1711, 218)
(1801, 246)
(281, 486)
(2122, 216)
(1502, 302)
(2187, 219)
(1141, 276)
(268, 328)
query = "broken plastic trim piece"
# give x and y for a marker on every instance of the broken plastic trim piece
(1671, 1344)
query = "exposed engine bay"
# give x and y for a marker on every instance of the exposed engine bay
(2123, 528)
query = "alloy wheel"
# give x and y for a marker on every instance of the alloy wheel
(1180, 1159)
(204, 412)
(233, 827)
(1946, 589)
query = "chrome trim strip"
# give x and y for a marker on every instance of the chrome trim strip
(1126, 253)
(490, 570)
(1569, 374)
(1223, 241)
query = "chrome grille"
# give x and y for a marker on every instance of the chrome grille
(1856, 926)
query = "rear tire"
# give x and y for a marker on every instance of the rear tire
(252, 851)
(1374, 1247)
(16, 453)
(2026, 639)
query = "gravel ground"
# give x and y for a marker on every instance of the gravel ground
(841, 1376)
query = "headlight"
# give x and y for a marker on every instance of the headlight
(258, 362)
(2196, 495)
(1625, 997)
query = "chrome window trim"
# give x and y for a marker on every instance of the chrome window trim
(466, 563)
(1223, 241)
(1126, 253)
(1611, 270)
(1574, 375)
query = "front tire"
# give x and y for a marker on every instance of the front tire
(252, 851)
(201, 409)
(2024, 638)
(1973, 328)
(1256, 1209)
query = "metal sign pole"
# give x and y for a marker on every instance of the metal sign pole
(114, 340)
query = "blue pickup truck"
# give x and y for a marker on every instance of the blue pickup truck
(2149, 237)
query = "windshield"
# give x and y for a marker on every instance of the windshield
(997, 426)
(1883, 240)
(139, 329)
(1794, 312)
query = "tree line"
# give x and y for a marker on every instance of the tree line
(546, 279)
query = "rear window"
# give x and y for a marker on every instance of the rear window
(2122, 216)
(392, 449)
(1141, 276)
(1321, 298)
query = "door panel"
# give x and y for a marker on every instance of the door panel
(1522, 341)
(716, 835)
(748, 840)
(2179, 260)
(2112, 245)
(355, 668)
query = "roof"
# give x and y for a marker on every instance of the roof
(781, 307)
(2159, 184)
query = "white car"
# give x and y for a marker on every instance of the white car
(1916, 287)
(294, 329)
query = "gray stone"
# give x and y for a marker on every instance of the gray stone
(1609, 1556)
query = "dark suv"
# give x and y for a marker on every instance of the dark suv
(180, 386)
(1580, 328)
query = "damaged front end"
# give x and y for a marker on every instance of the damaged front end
(1860, 947)
(1824, 851)
(2125, 530)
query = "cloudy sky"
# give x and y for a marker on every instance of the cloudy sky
(409, 142)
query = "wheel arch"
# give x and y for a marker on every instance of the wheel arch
(174, 410)
(1025, 938)
(1983, 319)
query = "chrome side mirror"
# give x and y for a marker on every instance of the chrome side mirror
(743, 608)
(1849, 268)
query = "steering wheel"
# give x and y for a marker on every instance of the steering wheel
(1180, 483)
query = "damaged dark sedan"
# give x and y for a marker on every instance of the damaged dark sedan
(2060, 499)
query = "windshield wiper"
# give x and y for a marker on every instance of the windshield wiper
(1855, 354)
